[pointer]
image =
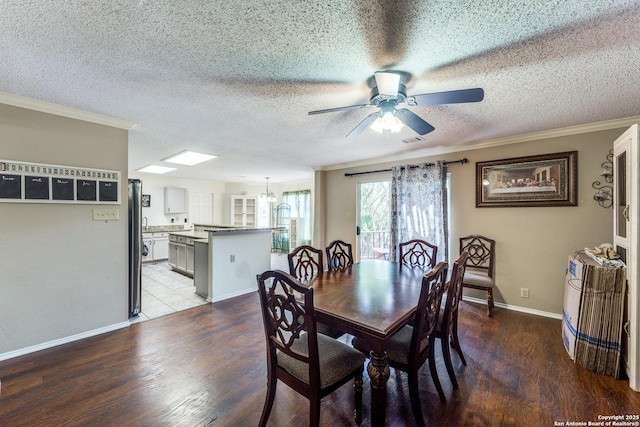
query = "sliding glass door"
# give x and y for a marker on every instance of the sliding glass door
(374, 219)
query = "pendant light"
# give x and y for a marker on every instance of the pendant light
(268, 195)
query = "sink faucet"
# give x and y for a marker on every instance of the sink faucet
(145, 223)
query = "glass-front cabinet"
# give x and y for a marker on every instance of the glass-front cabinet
(249, 211)
(626, 234)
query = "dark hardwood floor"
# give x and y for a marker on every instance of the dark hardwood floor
(206, 366)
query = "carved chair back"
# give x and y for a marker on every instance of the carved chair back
(481, 252)
(454, 294)
(305, 262)
(426, 318)
(287, 312)
(339, 255)
(417, 252)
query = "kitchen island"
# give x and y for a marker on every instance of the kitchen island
(233, 256)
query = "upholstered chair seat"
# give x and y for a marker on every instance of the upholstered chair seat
(337, 360)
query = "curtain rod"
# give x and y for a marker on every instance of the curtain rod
(461, 161)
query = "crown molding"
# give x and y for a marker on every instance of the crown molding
(496, 142)
(64, 111)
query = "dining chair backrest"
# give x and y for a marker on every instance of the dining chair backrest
(339, 255)
(454, 293)
(427, 312)
(305, 262)
(481, 252)
(480, 265)
(417, 252)
(312, 364)
(288, 314)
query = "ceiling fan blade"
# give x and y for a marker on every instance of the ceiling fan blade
(363, 125)
(333, 110)
(413, 121)
(450, 97)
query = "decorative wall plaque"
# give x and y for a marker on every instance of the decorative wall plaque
(42, 183)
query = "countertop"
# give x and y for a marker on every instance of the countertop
(213, 228)
(163, 228)
(191, 233)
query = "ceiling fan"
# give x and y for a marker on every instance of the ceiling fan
(389, 94)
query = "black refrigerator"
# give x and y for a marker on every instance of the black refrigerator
(135, 247)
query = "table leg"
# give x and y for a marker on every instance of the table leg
(378, 370)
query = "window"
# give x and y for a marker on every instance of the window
(300, 202)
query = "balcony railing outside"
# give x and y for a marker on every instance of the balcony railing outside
(375, 244)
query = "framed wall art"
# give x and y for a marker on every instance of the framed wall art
(543, 180)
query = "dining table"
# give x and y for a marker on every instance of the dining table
(372, 300)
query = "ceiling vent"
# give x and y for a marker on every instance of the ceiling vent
(411, 140)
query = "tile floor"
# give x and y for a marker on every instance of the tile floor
(165, 291)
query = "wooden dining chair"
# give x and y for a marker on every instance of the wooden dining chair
(417, 252)
(312, 364)
(305, 262)
(480, 265)
(447, 328)
(339, 255)
(411, 346)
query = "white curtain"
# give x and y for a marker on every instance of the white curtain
(300, 202)
(418, 206)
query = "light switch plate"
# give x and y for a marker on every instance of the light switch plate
(106, 214)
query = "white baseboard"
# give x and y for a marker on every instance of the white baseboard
(65, 340)
(516, 308)
(231, 295)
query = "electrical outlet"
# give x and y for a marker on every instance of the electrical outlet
(524, 292)
(232, 258)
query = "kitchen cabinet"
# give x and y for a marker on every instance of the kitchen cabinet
(190, 258)
(175, 200)
(244, 210)
(157, 245)
(249, 211)
(181, 254)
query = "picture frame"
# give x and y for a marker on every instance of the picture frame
(541, 180)
(146, 200)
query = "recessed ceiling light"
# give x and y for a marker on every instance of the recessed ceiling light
(189, 158)
(156, 169)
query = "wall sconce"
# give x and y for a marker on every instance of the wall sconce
(604, 192)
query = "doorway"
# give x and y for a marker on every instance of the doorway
(374, 220)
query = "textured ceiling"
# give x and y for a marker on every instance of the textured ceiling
(237, 79)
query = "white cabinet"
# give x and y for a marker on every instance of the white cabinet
(249, 211)
(626, 239)
(244, 211)
(175, 200)
(190, 258)
(296, 232)
(181, 256)
(160, 245)
(157, 246)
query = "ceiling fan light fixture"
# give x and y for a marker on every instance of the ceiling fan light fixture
(387, 123)
(387, 83)
(388, 120)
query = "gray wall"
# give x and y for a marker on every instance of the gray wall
(533, 244)
(61, 273)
